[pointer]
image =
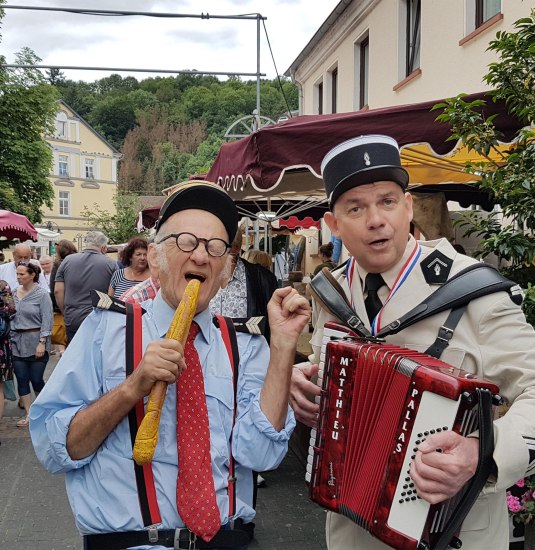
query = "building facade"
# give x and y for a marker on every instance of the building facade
(83, 174)
(381, 53)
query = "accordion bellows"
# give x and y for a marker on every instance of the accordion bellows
(378, 403)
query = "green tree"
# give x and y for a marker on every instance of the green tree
(511, 180)
(79, 95)
(201, 162)
(116, 114)
(118, 227)
(27, 109)
(55, 76)
(116, 85)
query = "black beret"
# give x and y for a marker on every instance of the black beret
(362, 160)
(201, 195)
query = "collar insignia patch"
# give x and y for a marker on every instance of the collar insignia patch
(436, 268)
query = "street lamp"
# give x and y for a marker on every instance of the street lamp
(78, 239)
(52, 226)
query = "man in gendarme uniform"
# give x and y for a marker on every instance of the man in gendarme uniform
(371, 212)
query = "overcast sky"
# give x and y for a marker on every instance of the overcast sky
(146, 42)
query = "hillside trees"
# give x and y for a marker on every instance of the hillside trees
(27, 109)
(156, 152)
(116, 114)
(169, 128)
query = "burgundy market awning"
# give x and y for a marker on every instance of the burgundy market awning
(293, 222)
(16, 226)
(285, 158)
(298, 209)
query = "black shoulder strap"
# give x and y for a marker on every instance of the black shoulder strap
(101, 300)
(473, 282)
(327, 290)
(445, 332)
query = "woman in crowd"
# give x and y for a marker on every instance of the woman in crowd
(30, 333)
(7, 309)
(134, 257)
(64, 248)
(326, 255)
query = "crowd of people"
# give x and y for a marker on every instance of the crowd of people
(233, 393)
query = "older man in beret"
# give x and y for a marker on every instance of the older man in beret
(80, 425)
(388, 274)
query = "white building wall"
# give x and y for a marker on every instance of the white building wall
(447, 68)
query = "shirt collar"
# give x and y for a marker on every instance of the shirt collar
(163, 315)
(239, 271)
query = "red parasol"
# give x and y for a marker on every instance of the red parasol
(16, 226)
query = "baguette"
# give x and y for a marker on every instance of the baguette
(147, 434)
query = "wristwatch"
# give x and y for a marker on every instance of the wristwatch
(42, 340)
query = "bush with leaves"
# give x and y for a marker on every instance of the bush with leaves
(118, 227)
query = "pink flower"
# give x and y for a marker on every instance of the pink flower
(520, 483)
(513, 504)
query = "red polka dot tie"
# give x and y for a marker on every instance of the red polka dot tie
(195, 493)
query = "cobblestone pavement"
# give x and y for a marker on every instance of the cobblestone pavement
(35, 513)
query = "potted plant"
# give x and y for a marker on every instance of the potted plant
(521, 505)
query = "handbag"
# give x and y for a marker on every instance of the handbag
(59, 332)
(9, 390)
(4, 326)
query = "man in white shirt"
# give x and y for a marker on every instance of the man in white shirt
(46, 264)
(8, 272)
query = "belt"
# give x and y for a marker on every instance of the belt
(173, 538)
(26, 329)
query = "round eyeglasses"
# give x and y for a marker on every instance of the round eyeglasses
(188, 242)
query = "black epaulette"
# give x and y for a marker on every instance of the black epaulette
(250, 325)
(101, 300)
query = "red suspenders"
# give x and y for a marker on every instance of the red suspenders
(229, 337)
(148, 502)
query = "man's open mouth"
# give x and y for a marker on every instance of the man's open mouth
(378, 241)
(197, 276)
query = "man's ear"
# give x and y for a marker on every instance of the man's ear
(330, 219)
(409, 202)
(153, 258)
(228, 270)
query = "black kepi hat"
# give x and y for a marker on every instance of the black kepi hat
(201, 195)
(362, 160)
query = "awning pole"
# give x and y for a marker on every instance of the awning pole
(247, 220)
(256, 235)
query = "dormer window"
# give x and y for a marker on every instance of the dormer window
(62, 125)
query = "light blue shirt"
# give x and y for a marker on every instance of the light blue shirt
(101, 487)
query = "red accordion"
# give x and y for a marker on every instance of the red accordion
(378, 403)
